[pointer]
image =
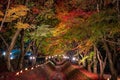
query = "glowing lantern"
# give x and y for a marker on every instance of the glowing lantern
(17, 73)
(21, 71)
(26, 69)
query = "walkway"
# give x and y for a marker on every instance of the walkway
(50, 71)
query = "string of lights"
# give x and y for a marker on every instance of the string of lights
(26, 69)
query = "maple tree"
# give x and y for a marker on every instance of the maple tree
(11, 14)
(94, 31)
(86, 22)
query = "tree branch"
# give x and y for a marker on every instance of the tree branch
(112, 42)
(8, 5)
(4, 41)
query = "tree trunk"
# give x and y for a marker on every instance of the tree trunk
(22, 59)
(22, 50)
(34, 47)
(112, 69)
(100, 5)
(89, 65)
(4, 41)
(101, 61)
(8, 5)
(9, 66)
(38, 46)
(89, 68)
(28, 47)
(95, 60)
(37, 49)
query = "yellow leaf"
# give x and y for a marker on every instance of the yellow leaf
(89, 43)
(58, 51)
(1, 13)
(60, 29)
(15, 12)
(20, 25)
(85, 46)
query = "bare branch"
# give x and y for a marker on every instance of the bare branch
(105, 59)
(99, 54)
(8, 5)
(112, 42)
(98, 57)
(4, 41)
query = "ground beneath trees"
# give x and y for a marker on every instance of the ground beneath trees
(50, 71)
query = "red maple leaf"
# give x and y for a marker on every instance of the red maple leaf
(35, 10)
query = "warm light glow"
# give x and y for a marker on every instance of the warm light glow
(108, 79)
(46, 58)
(60, 55)
(65, 57)
(21, 71)
(49, 57)
(26, 69)
(17, 73)
(33, 57)
(32, 68)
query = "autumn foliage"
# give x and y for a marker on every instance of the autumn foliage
(35, 10)
(73, 14)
